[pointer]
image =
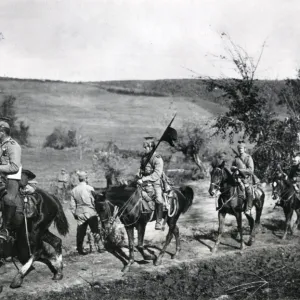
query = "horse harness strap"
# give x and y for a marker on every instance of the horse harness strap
(26, 224)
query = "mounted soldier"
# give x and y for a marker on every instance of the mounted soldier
(294, 175)
(151, 172)
(243, 163)
(11, 170)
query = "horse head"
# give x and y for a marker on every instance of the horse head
(279, 183)
(217, 177)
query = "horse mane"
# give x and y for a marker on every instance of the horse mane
(230, 176)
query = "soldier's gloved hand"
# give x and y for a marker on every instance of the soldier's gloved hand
(140, 182)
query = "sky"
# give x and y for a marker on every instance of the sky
(83, 40)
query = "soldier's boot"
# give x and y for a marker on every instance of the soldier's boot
(8, 219)
(249, 198)
(81, 231)
(159, 216)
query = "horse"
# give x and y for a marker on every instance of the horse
(128, 201)
(284, 191)
(230, 202)
(28, 246)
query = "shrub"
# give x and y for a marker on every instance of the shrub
(61, 138)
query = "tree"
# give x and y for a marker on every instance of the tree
(192, 141)
(19, 131)
(250, 111)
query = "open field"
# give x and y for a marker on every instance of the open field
(99, 114)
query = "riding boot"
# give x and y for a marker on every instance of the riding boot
(249, 198)
(81, 231)
(159, 215)
(8, 219)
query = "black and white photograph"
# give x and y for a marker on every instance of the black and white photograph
(149, 149)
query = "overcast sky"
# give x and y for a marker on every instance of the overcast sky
(144, 39)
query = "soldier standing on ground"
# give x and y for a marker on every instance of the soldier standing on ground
(83, 209)
(62, 184)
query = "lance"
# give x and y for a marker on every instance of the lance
(160, 140)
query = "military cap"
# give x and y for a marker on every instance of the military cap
(241, 144)
(32, 182)
(149, 140)
(81, 175)
(4, 122)
(29, 174)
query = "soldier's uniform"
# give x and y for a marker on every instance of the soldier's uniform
(294, 177)
(152, 174)
(10, 170)
(62, 184)
(245, 165)
(82, 206)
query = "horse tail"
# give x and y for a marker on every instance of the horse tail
(188, 193)
(61, 222)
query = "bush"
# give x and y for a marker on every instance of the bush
(61, 138)
(19, 131)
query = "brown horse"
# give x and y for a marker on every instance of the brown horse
(284, 191)
(129, 202)
(231, 202)
(49, 210)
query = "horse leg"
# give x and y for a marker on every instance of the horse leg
(172, 225)
(252, 229)
(238, 216)
(297, 223)
(221, 217)
(37, 247)
(130, 234)
(259, 204)
(56, 243)
(141, 228)
(288, 212)
(177, 238)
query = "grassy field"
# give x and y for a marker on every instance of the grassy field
(97, 113)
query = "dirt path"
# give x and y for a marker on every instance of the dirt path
(197, 228)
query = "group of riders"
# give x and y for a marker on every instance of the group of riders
(151, 176)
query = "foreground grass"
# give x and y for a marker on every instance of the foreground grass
(264, 274)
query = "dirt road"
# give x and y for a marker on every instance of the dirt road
(197, 229)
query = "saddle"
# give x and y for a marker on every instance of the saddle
(148, 202)
(30, 202)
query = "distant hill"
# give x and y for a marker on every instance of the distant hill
(102, 115)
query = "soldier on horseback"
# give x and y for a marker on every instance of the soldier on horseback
(152, 173)
(294, 175)
(11, 170)
(243, 163)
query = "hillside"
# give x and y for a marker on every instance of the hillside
(98, 113)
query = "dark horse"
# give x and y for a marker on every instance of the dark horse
(230, 202)
(129, 201)
(49, 210)
(283, 190)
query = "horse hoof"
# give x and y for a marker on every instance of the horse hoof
(58, 276)
(149, 257)
(158, 261)
(17, 282)
(125, 269)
